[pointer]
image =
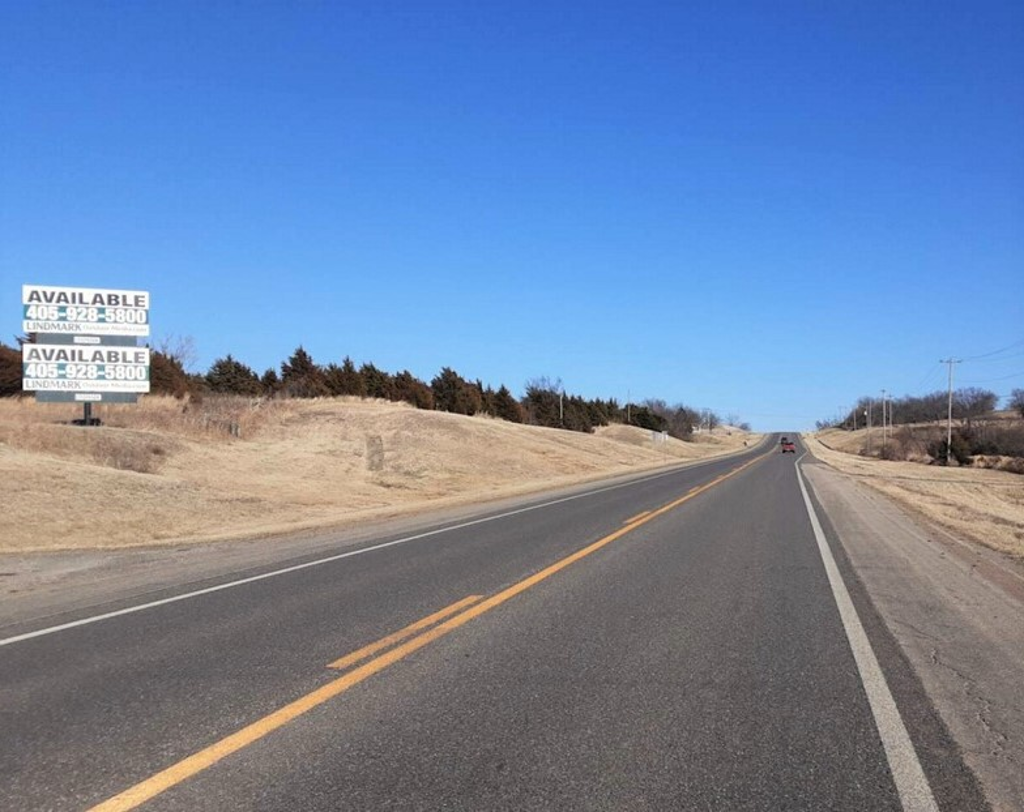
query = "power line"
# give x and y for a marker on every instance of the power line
(996, 352)
(929, 377)
(994, 380)
(1001, 359)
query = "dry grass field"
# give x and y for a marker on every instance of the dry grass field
(984, 505)
(167, 472)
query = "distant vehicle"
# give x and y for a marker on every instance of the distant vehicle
(788, 445)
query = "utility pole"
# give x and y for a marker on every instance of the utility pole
(884, 424)
(868, 413)
(629, 394)
(949, 414)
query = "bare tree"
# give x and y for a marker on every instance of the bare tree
(1017, 401)
(181, 349)
(972, 402)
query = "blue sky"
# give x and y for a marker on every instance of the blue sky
(767, 209)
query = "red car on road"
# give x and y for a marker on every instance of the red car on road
(788, 445)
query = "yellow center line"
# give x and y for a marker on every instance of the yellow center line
(637, 517)
(408, 631)
(196, 763)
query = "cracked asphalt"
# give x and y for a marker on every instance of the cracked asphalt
(956, 613)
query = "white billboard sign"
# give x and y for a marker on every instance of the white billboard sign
(77, 368)
(85, 311)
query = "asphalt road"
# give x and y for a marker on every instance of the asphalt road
(670, 643)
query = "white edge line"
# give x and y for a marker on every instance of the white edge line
(274, 573)
(908, 775)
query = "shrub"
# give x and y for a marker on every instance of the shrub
(10, 371)
(959, 448)
(996, 438)
(892, 451)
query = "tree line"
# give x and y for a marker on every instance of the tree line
(969, 403)
(544, 403)
(921, 431)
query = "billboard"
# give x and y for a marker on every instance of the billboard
(78, 369)
(84, 311)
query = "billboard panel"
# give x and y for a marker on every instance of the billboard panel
(87, 311)
(84, 369)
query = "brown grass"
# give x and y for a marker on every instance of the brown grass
(164, 470)
(986, 506)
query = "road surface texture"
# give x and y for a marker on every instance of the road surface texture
(956, 610)
(691, 639)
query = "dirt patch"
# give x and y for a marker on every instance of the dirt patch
(166, 471)
(986, 506)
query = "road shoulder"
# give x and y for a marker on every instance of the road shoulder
(957, 613)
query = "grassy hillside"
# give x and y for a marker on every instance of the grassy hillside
(167, 472)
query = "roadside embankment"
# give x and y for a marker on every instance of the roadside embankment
(982, 505)
(167, 472)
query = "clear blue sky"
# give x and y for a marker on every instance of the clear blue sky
(763, 208)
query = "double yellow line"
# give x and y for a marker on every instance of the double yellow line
(415, 636)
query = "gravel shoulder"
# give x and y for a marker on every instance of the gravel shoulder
(957, 611)
(982, 505)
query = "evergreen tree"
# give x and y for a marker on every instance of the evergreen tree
(486, 395)
(10, 371)
(410, 389)
(301, 377)
(270, 383)
(344, 379)
(452, 393)
(166, 375)
(378, 384)
(506, 406)
(230, 376)
(351, 382)
(643, 417)
(541, 403)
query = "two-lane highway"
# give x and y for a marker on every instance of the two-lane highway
(674, 642)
